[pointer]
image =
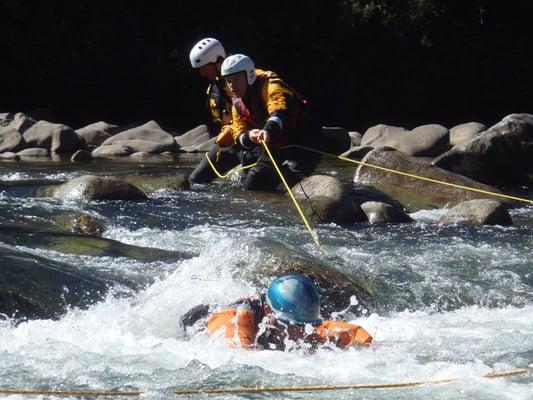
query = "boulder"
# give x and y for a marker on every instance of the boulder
(194, 137)
(22, 122)
(58, 138)
(148, 137)
(10, 140)
(203, 147)
(357, 152)
(81, 156)
(381, 213)
(325, 199)
(336, 140)
(90, 187)
(5, 119)
(464, 132)
(502, 155)
(10, 156)
(478, 212)
(425, 140)
(112, 151)
(355, 138)
(93, 135)
(80, 223)
(36, 287)
(141, 146)
(412, 191)
(34, 152)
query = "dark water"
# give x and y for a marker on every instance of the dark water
(447, 301)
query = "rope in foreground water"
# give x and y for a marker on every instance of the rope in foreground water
(260, 389)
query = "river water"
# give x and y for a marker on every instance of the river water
(449, 302)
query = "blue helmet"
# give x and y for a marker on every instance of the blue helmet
(294, 299)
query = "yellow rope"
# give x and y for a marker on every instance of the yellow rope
(233, 171)
(260, 389)
(384, 169)
(412, 175)
(289, 191)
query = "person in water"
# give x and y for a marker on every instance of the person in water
(289, 314)
(265, 109)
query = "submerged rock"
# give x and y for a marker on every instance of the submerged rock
(149, 184)
(478, 212)
(91, 187)
(36, 287)
(336, 288)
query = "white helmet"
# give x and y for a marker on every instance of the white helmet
(238, 63)
(206, 51)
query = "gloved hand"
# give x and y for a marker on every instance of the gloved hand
(258, 135)
(225, 138)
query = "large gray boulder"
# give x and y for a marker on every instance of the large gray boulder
(325, 199)
(425, 140)
(58, 138)
(10, 140)
(192, 139)
(502, 155)
(149, 137)
(90, 187)
(464, 132)
(478, 212)
(93, 135)
(413, 191)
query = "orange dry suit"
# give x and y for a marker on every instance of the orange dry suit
(242, 326)
(270, 104)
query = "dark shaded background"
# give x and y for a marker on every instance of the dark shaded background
(360, 62)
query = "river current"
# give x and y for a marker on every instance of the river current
(449, 302)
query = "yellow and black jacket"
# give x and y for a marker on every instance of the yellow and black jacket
(269, 104)
(219, 105)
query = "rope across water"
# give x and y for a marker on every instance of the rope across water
(260, 389)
